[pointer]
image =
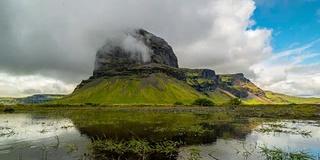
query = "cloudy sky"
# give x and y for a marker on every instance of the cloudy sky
(49, 46)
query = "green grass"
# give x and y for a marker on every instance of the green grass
(282, 98)
(252, 102)
(135, 90)
(162, 89)
(278, 153)
(218, 97)
(226, 77)
(159, 89)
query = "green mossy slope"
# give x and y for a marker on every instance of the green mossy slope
(282, 99)
(152, 89)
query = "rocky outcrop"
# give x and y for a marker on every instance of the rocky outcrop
(238, 92)
(162, 52)
(202, 79)
(134, 48)
(240, 86)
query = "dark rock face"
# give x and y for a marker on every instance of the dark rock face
(238, 93)
(240, 86)
(162, 51)
(133, 49)
(202, 79)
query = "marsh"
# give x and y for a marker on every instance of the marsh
(155, 132)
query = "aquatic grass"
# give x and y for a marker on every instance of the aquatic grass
(134, 149)
(280, 154)
(10, 132)
(71, 148)
(57, 145)
(195, 153)
(282, 128)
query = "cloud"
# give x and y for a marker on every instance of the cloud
(230, 46)
(12, 86)
(137, 48)
(50, 46)
(130, 41)
(57, 40)
(293, 71)
(62, 37)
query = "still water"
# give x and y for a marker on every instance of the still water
(23, 136)
(33, 137)
(288, 135)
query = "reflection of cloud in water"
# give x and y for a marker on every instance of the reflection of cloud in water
(29, 133)
(292, 142)
(237, 149)
(22, 127)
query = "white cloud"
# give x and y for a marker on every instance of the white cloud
(290, 72)
(49, 46)
(11, 86)
(230, 46)
(59, 39)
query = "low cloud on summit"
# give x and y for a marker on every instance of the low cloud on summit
(130, 42)
(50, 46)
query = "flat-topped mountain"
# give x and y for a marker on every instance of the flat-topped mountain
(138, 67)
(134, 48)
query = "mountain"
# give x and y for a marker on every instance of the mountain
(282, 98)
(138, 67)
(34, 99)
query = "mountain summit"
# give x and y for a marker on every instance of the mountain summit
(138, 67)
(131, 49)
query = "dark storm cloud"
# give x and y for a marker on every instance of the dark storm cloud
(54, 42)
(60, 38)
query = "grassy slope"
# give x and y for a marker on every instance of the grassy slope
(220, 96)
(250, 87)
(282, 98)
(156, 89)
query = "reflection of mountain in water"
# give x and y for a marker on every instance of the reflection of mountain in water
(155, 132)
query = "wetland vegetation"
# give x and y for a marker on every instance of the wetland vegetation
(159, 132)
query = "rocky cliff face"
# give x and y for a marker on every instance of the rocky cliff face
(240, 86)
(131, 49)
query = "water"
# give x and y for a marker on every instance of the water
(214, 135)
(288, 135)
(24, 136)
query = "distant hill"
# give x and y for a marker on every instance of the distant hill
(146, 71)
(34, 99)
(282, 98)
